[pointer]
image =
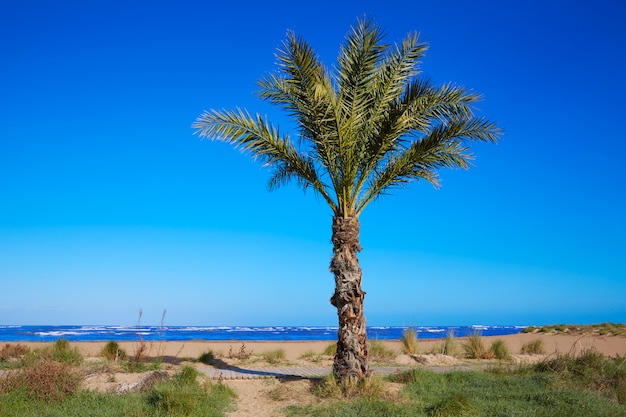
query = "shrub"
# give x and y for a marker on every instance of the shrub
(10, 351)
(534, 347)
(475, 347)
(499, 350)
(62, 351)
(184, 396)
(241, 354)
(112, 351)
(45, 379)
(187, 376)
(409, 342)
(207, 357)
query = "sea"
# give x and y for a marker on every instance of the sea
(15, 333)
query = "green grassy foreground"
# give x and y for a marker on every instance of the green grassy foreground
(46, 383)
(583, 386)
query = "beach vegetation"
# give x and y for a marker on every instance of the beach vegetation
(330, 350)
(241, 354)
(207, 357)
(449, 344)
(311, 356)
(379, 352)
(533, 347)
(274, 356)
(409, 342)
(11, 355)
(475, 347)
(568, 386)
(330, 388)
(55, 387)
(365, 126)
(43, 379)
(113, 352)
(603, 329)
(499, 350)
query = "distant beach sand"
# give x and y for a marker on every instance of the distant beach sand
(552, 343)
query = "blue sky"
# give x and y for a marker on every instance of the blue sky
(109, 203)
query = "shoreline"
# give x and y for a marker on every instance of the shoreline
(552, 343)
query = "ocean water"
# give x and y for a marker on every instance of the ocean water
(10, 333)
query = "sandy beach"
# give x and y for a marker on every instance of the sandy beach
(265, 397)
(552, 343)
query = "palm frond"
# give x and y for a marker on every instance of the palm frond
(259, 138)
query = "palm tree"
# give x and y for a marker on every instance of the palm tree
(366, 126)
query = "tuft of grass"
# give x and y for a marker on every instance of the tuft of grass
(311, 356)
(499, 350)
(207, 357)
(12, 352)
(274, 356)
(329, 388)
(331, 350)
(475, 347)
(184, 396)
(112, 352)
(449, 344)
(409, 342)
(379, 352)
(534, 347)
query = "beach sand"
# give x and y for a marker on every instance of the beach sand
(267, 397)
(552, 343)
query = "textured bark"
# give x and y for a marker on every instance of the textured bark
(351, 363)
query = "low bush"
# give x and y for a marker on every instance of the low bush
(12, 351)
(44, 379)
(112, 351)
(409, 342)
(475, 348)
(184, 396)
(534, 347)
(207, 357)
(499, 350)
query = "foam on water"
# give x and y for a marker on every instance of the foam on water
(15, 333)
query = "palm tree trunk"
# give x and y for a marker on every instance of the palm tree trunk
(351, 363)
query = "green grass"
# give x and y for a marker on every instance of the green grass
(181, 395)
(602, 329)
(331, 350)
(274, 356)
(566, 386)
(378, 352)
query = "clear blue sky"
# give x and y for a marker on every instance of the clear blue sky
(109, 203)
